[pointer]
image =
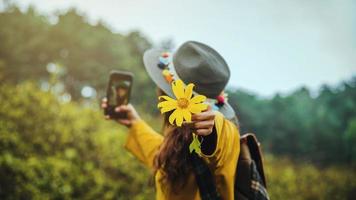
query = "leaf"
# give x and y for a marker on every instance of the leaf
(195, 145)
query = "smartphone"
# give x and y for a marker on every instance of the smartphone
(118, 93)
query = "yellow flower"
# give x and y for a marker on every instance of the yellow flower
(184, 105)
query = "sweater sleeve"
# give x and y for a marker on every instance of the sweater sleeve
(143, 142)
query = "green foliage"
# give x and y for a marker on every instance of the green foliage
(87, 52)
(303, 181)
(320, 129)
(350, 141)
(50, 150)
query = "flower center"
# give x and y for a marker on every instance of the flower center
(182, 103)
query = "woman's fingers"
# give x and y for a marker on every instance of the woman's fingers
(204, 132)
(204, 128)
(203, 116)
(104, 103)
(132, 115)
(128, 109)
(201, 128)
(125, 122)
(206, 115)
(204, 124)
(123, 108)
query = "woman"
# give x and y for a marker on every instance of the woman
(168, 154)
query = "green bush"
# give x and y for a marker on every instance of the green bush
(53, 150)
(50, 150)
(303, 181)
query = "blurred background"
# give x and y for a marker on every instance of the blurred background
(293, 84)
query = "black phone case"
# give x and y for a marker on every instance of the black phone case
(110, 109)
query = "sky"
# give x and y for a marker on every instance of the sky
(270, 45)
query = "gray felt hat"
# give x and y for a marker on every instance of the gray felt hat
(196, 63)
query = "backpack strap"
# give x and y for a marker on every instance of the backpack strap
(204, 178)
(250, 181)
(255, 152)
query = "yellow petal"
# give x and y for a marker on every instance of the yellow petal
(179, 117)
(167, 106)
(167, 98)
(198, 99)
(172, 117)
(187, 115)
(178, 88)
(167, 103)
(189, 90)
(197, 108)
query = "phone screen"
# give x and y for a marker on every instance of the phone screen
(118, 92)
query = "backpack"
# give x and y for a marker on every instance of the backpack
(250, 181)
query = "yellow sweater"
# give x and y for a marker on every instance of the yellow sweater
(143, 142)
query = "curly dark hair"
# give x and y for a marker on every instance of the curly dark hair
(173, 157)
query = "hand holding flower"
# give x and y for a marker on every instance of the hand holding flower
(190, 110)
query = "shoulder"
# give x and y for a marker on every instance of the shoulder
(222, 124)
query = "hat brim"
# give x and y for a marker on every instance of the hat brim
(151, 59)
